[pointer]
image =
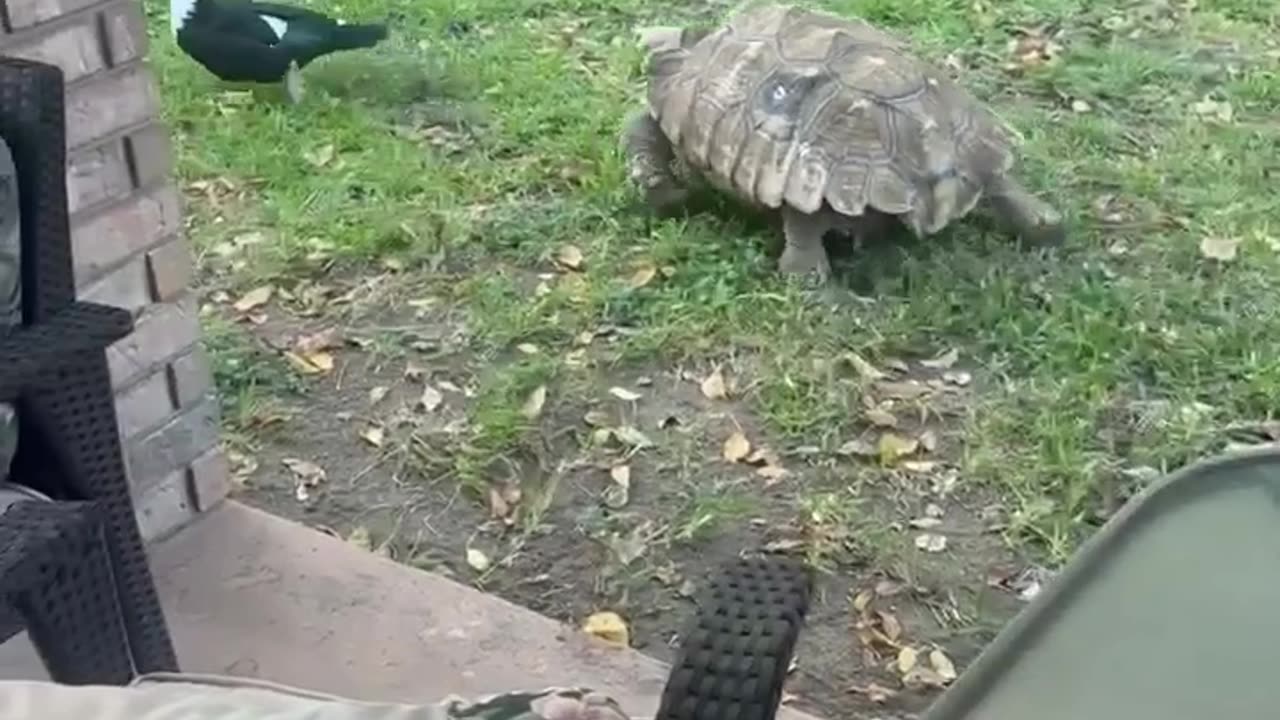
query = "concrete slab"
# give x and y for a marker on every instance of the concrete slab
(251, 594)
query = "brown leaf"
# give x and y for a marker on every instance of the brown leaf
(892, 628)
(306, 475)
(255, 298)
(862, 600)
(881, 418)
(942, 665)
(772, 474)
(642, 276)
(312, 364)
(713, 386)
(907, 659)
(931, 542)
(624, 394)
(1222, 249)
(860, 447)
(893, 446)
(865, 369)
(569, 256)
(431, 398)
(943, 361)
(315, 342)
(877, 694)
(608, 626)
(618, 494)
(736, 447)
(375, 436)
(532, 407)
(907, 390)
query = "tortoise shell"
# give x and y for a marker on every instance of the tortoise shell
(784, 104)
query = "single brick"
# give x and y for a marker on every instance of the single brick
(173, 445)
(97, 174)
(169, 269)
(25, 13)
(210, 479)
(190, 378)
(161, 332)
(109, 102)
(164, 507)
(74, 47)
(124, 29)
(150, 153)
(125, 287)
(144, 405)
(113, 234)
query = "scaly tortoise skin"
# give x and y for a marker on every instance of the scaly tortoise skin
(831, 121)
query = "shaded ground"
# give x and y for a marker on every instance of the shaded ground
(442, 329)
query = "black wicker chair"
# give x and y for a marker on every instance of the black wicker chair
(73, 571)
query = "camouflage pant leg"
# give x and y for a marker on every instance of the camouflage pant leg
(10, 290)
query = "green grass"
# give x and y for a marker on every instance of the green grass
(522, 160)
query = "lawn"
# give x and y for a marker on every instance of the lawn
(444, 328)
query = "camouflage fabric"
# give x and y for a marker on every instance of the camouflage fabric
(10, 290)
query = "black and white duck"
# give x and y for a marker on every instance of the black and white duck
(249, 41)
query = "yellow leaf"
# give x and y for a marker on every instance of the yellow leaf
(862, 601)
(865, 370)
(893, 446)
(907, 658)
(624, 394)
(321, 361)
(303, 364)
(1222, 249)
(892, 628)
(570, 257)
(943, 361)
(642, 276)
(532, 407)
(942, 665)
(256, 297)
(608, 626)
(375, 436)
(713, 386)
(736, 447)
(477, 560)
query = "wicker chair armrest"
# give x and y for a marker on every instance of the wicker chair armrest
(31, 355)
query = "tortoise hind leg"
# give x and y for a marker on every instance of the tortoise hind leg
(1035, 220)
(649, 157)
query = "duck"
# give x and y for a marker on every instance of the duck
(263, 42)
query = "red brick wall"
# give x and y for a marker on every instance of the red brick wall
(129, 248)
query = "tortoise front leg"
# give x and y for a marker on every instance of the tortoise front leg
(649, 157)
(804, 256)
(1034, 220)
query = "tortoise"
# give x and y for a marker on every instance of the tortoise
(829, 120)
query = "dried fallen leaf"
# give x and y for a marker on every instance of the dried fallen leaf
(892, 628)
(772, 474)
(862, 600)
(608, 626)
(431, 398)
(477, 560)
(306, 476)
(375, 436)
(642, 276)
(532, 407)
(569, 256)
(942, 665)
(713, 386)
(874, 693)
(1222, 249)
(255, 298)
(865, 370)
(881, 418)
(907, 659)
(618, 494)
(321, 156)
(907, 390)
(959, 378)
(736, 447)
(360, 538)
(893, 446)
(860, 447)
(377, 394)
(624, 394)
(931, 542)
(943, 361)
(315, 342)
